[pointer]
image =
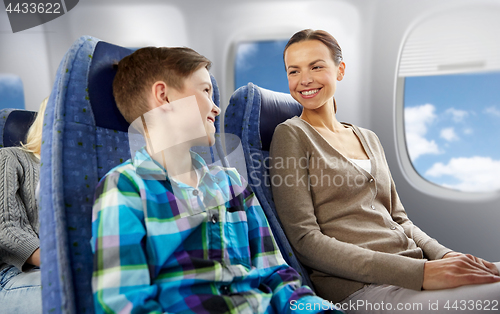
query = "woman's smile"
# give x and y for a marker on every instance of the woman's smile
(310, 93)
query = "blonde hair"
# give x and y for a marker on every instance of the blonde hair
(34, 136)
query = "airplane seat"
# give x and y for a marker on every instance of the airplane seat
(252, 114)
(84, 136)
(14, 125)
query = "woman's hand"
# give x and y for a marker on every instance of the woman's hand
(34, 259)
(457, 269)
(490, 266)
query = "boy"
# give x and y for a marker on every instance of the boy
(171, 234)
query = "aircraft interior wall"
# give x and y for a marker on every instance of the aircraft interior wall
(370, 32)
(463, 221)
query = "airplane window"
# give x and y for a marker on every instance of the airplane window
(261, 62)
(452, 127)
(448, 113)
(11, 91)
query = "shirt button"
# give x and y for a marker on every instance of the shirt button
(393, 228)
(224, 290)
(371, 180)
(195, 192)
(214, 219)
(373, 206)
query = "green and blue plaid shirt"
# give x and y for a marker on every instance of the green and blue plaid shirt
(162, 246)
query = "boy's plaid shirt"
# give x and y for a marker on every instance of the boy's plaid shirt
(198, 251)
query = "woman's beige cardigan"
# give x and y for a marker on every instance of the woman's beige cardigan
(346, 224)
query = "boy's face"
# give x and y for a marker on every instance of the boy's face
(198, 84)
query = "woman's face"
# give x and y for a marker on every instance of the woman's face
(312, 74)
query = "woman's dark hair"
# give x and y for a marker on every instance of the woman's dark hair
(328, 40)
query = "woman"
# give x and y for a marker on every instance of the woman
(20, 289)
(341, 211)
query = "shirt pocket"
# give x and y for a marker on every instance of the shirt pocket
(236, 236)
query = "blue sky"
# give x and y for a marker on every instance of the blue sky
(11, 91)
(262, 64)
(453, 128)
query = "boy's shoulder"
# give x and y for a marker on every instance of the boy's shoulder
(124, 170)
(124, 167)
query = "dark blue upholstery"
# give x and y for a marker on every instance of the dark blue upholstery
(14, 125)
(84, 136)
(252, 114)
(101, 75)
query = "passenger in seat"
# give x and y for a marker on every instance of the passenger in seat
(20, 287)
(342, 214)
(171, 234)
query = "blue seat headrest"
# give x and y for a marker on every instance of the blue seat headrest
(101, 75)
(16, 127)
(275, 108)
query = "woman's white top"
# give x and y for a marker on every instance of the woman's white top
(363, 163)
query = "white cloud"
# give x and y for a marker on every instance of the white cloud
(492, 110)
(449, 134)
(475, 174)
(245, 50)
(468, 131)
(457, 114)
(10, 83)
(417, 120)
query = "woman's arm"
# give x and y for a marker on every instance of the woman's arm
(296, 210)
(34, 259)
(18, 240)
(447, 269)
(432, 248)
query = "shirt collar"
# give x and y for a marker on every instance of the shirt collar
(215, 180)
(148, 168)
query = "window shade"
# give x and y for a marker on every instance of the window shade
(461, 41)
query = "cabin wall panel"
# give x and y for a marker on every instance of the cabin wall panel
(465, 226)
(25, 54)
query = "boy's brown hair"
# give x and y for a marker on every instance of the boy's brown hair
(137, 72)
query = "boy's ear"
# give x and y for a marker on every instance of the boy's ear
(160, 93)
